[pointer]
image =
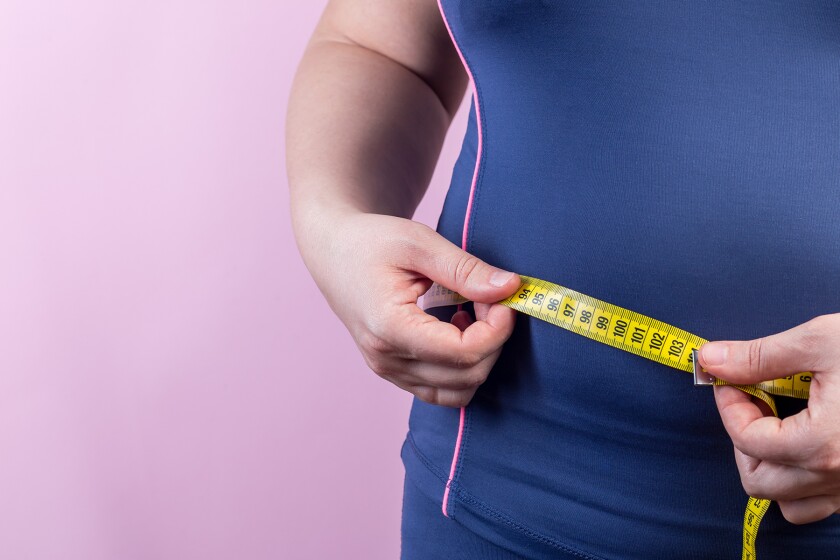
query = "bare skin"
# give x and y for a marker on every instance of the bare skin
(372, 100)
(374, 95)
(795, 461)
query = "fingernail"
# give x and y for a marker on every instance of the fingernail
(714, 353)
(500, 278)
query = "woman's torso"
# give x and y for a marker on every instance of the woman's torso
(680, 159)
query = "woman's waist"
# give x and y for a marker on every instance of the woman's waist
(720, 274)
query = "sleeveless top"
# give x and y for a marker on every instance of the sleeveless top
(680, 159)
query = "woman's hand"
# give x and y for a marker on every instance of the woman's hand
(795, 461)
(374, 95)
(372, 269)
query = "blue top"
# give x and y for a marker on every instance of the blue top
(680, 159)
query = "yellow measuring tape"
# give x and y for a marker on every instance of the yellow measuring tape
(637, 334)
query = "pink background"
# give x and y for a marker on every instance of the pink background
(172, 385)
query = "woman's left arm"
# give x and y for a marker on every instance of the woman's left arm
(796, 460)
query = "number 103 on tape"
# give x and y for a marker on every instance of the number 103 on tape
(637, 334)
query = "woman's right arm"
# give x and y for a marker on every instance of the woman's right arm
(372, 100)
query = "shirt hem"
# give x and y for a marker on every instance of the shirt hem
(484, 520)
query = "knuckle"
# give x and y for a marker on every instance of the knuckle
(375, 344)
(476, 378)
(464, 268)
(467, 360)
(375, 363)
(755, 355)
(375, 352)
(791, 514)
(827, 461)
(751, 485)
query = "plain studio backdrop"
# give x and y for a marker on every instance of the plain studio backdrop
(172, 383)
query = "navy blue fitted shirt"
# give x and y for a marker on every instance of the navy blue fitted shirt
(680, 159)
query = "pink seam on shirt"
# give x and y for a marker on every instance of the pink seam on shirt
(457, 452)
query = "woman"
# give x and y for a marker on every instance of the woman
(678, 159)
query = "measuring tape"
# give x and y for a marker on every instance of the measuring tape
(637, 334)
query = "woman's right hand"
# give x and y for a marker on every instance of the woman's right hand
(372, 269)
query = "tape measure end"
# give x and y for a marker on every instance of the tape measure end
(701, 377)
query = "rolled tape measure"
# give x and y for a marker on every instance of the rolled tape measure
(638, 334)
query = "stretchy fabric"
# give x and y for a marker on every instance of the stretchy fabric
(428, 535)
(680, 159)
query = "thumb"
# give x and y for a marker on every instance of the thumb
(762, 359)
(468, 275)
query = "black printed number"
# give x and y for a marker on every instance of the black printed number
(657, 341)
(620, 329)
(638, 335)
(676, 349)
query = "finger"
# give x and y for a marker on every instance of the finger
(763, 359)
(436, 395)
(808, 510)
(419, 336)
(496, 314)
(764, 437)
(462, 320)
(773, 481)
(445, 377)
(500, 312)
(458, 270)
(482, 309)
(434, 384)
(444, 397)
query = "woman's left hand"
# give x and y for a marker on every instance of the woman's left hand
(795, 461)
